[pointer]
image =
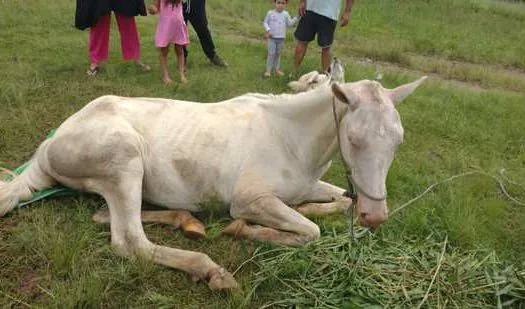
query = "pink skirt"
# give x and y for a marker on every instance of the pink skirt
(171, 31)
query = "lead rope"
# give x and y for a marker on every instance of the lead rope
(351, 193)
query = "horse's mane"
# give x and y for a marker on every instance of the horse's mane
(270, 97)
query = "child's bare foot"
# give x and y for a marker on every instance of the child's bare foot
(267, 74)
(183, 79)
(167, 80)
(279, 73)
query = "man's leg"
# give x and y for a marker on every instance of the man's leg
(186, 15)
(325, 58)
(199, 21)
(304, 33)
(300, 51)
(325, 38)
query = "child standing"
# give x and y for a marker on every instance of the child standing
(171, 29)
(275, 24)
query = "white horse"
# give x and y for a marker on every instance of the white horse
(257, 154)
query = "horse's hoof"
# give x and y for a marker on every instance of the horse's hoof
(235, 228)
(220, 279)
(194, 229)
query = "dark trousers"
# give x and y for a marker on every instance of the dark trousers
(197, 17)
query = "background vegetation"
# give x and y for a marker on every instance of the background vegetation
(460, 245)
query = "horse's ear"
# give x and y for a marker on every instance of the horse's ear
(400, 93)
(345, 96)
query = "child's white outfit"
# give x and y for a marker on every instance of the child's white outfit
(276, 22)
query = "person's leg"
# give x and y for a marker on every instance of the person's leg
(99, 43)
(277, 64)
(300, 51)
(271, 57)
(305, 32)
(199, 21)
(179, 51)
(164, 65)
(129, 40)
(325, 38)
(186, 15)
(325, 58)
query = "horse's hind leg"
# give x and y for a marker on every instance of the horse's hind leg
(112, 166)
(191, 227)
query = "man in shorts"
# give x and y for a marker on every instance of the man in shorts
(319, 17)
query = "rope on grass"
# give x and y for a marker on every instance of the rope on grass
(500, 183)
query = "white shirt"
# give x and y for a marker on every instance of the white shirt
(276, 23)
(327, 8)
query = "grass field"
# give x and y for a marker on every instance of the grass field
(461, 245)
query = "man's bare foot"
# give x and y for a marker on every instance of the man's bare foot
(183, 79)
(279, 73)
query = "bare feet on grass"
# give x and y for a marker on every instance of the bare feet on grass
(167, 80)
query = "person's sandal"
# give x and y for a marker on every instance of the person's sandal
(144, 67)
(93, 71)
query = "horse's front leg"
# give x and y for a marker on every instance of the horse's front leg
(267, 218)
(324, 199)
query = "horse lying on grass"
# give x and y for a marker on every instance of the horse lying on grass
(259, 154)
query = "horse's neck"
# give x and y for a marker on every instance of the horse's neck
(307, 124)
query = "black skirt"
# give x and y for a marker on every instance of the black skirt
(88, 11)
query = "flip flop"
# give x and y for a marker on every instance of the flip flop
(144, 67)
(93, 71)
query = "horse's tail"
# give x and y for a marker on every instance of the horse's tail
(21, 187)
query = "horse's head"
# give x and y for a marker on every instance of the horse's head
(315, 79)
(370, 133)
(309, 81)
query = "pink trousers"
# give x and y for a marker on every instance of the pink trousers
(99, 38)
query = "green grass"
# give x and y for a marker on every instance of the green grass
(467, 117)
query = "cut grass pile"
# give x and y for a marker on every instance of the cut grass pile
(381, 273)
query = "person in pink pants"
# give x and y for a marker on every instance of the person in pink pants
(96, 15)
